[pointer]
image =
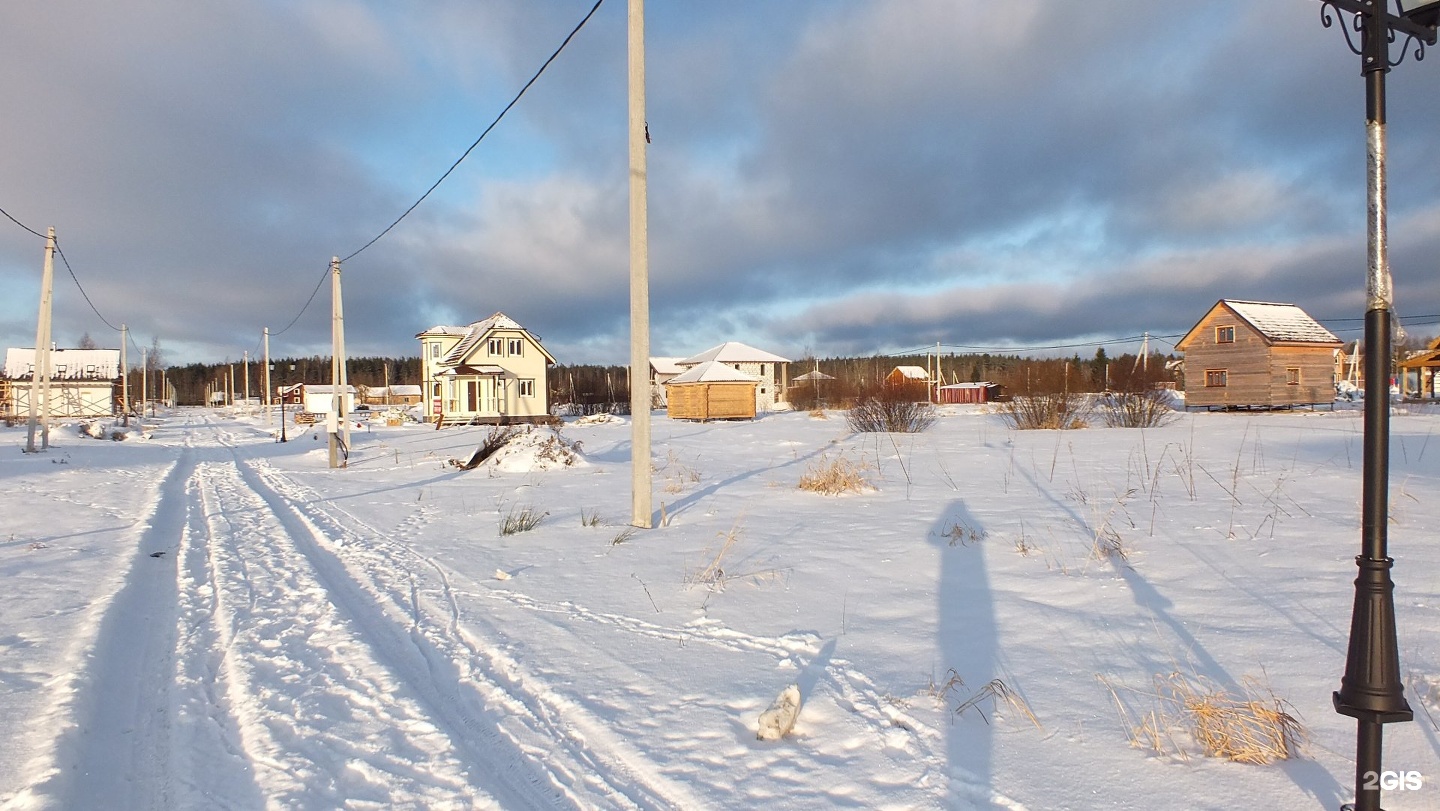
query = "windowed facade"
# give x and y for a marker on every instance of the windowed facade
(1224, 335)
(1216, 378)
(1292, 376)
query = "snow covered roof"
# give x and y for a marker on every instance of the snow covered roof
(66, 364)
(440, 329)
(981, 385)
(733, 352)
(913, 372)
(405, 390)
(1282, 322)
(815, 375)
(712, 371)
(475, 333)
(667, 366)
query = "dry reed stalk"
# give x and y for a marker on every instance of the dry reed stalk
(999, 692)
(1247, 729)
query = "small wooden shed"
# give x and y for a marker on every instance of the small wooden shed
(711, 391)
(1256, 354)
(969, 392)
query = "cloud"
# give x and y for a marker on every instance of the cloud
(852, 176)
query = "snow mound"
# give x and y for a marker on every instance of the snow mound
(536, 448)
(599, 418)
(102, 429)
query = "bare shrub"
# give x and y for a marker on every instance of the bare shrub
(835, 477)
(1136, 409)
(1054, 411)
(888, 414)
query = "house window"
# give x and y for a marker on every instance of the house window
(1215, 378)
(762, 370)
(435, 350)
(515, 347)
(91, 371)
(1292, 376)
(527, 388)
(496, 347)
(1224, 335)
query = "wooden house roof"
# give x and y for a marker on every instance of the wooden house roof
(1276, 323)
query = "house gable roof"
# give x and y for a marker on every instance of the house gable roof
(733, 352)
(476, 333)
(1276, 323)
(911, 372)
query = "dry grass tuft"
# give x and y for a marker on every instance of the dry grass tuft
(836, 477)
(1254, 727)
(998, 693)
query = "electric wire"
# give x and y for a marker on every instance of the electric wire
(448, 171)
(472, 146)
(21, 224)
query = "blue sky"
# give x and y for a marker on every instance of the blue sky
(829, 176)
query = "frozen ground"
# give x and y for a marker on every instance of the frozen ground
(210, 619)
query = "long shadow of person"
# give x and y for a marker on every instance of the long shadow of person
(966, 651)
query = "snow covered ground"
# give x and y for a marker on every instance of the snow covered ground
(207, 618)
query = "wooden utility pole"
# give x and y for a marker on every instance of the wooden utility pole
(340, 436)
(144, 381)
(40, 374)
(230, 385)
(245, 358)
(266, 399)
(640, 484)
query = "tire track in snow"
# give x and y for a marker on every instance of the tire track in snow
(319, 705)
(117, 754)
(597, 768)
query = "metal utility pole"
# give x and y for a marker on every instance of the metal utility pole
(640, 484)
(40, 374)
(340, 435)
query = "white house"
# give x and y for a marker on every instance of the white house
(492, 371)
(769, 369)
(82, 383)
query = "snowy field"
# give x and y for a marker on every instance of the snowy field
(209, 619)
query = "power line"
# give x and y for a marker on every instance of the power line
(21, 224)
(83, 294)
(467, 152)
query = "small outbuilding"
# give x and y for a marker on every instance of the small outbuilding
(711, 391)
(981, 392)
(1256, 354)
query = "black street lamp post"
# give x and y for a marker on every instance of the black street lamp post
(1371, 691)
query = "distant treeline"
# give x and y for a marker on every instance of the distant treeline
(193, 381)
(589, 384)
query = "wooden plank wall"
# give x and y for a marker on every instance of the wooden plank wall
(1256, 371)
(711, 401)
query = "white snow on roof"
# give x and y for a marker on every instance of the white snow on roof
(667, 366)
(477, 331)
(66, 364)
(713, 371)
(913, 372)
(734, 352)
(1282, 322)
